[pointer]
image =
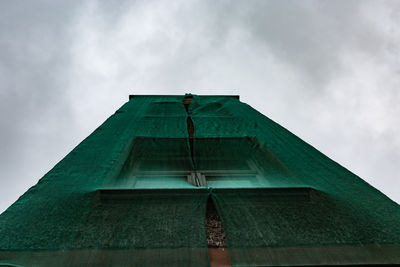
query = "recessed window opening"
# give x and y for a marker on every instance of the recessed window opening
(220, 163)
(165, 109)
(212, 109)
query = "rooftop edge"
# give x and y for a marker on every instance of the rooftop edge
(234, 96)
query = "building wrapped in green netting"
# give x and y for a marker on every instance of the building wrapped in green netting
(138, 191)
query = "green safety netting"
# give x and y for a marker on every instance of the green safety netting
(135, 193)
(347, 218)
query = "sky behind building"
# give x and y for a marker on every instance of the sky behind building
(328, 71)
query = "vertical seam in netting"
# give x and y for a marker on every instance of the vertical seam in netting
(187, 100)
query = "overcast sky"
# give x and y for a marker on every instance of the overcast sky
(329, 71)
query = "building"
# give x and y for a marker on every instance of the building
(146, 187)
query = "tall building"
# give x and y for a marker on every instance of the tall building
(198, 181)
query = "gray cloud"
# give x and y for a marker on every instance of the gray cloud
(34, 115)
(326, 70)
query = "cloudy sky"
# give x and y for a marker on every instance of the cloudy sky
(329, 71)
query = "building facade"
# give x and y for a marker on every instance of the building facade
(147, 187)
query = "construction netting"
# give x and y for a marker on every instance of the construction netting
(135, 192)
